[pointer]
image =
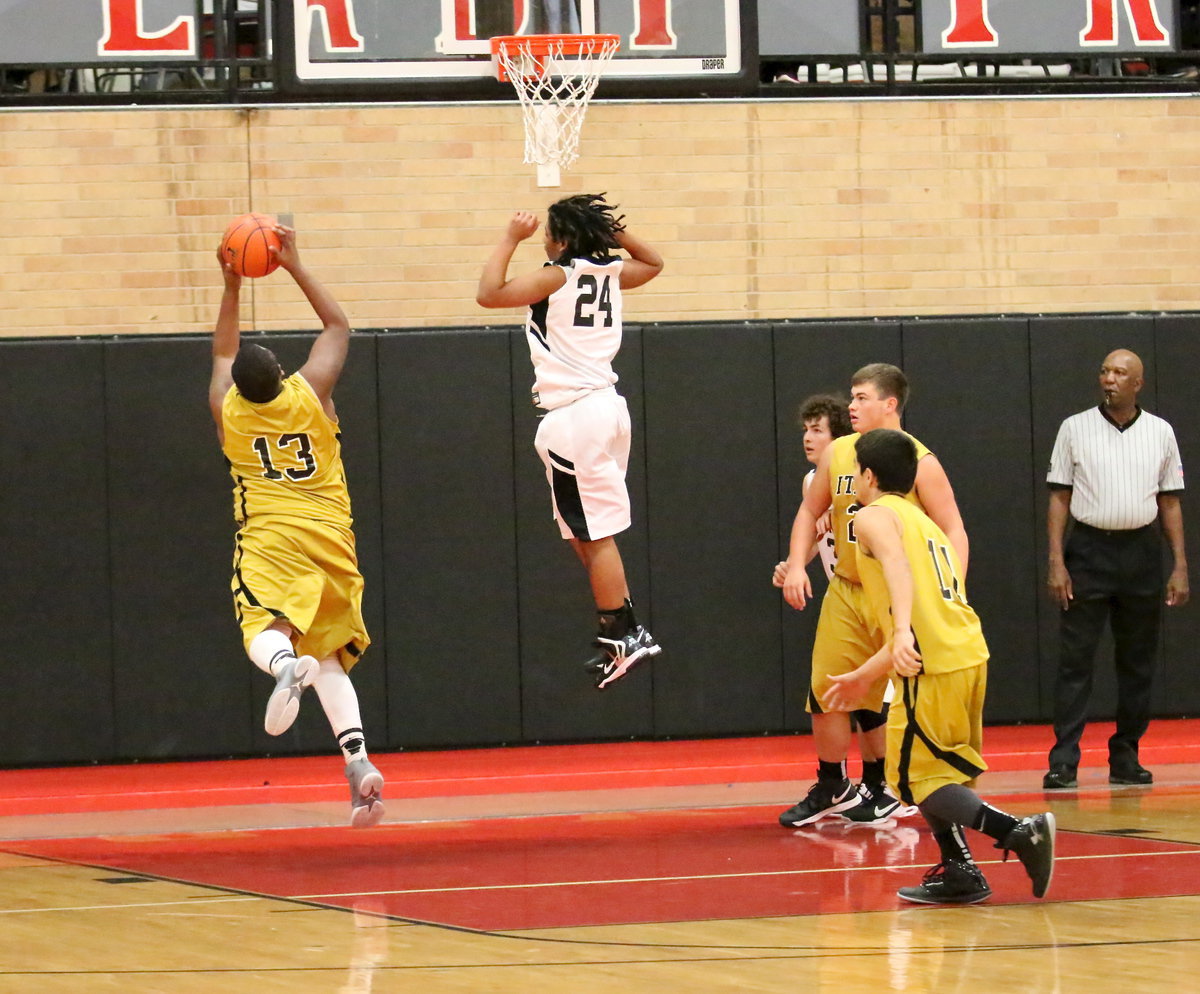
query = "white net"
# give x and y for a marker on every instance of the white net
(554, 79)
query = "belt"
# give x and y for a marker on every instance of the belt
(1112, 532)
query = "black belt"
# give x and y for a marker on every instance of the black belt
(1113, 532)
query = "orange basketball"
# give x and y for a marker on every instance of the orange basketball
(247, 242)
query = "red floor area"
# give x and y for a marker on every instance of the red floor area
(604, 867)
(510, 770)
(504, 874)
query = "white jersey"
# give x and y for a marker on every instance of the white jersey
(826, 546)
(1115, 474)
(575, 333)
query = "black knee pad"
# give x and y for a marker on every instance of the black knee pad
(868, 720)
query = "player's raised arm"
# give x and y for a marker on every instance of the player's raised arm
(496, 289)
(226, 339)
(327, 356)
(644, 262)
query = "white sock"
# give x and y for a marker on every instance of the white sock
(340, 702)
(269, 648)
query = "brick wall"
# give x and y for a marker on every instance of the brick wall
(772, 209)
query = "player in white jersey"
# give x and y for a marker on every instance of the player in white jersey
(824, 418)
(573, 327)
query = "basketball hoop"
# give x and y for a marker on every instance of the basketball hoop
(555, 77)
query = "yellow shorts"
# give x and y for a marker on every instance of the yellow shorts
(846, 638)
(935, 732)
(306, 572)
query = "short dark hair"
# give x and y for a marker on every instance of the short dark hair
(826, 405)
(888, 380)
(891, 456)
(256, 373)
(585, 224)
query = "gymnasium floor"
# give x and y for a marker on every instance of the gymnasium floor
(632, 866)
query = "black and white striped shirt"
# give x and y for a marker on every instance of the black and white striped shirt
(1115, 474)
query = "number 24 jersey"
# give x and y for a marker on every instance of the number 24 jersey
(574, 333)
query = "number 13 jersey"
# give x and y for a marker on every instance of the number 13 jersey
(285, 456)
(575, 332)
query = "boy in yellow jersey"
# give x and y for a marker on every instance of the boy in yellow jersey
(825, 418)
(912, 580)
(846, 633)
(296, 585)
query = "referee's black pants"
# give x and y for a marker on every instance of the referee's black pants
(1116, 577)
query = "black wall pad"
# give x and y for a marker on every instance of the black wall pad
(55, 599)
(446, 457)
(974, 414)
(180, 676)
(710, 469)
(1173, 368)
(557, 612)
(811, 358)
(1065, 356)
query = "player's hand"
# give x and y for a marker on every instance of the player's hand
(1177, 588)
(287, 253)
(905, 659)
(233, 279)
(1058, 582)
(780, 574)
(797, 589)
(522, 225)
(845, 691)
(823, 522)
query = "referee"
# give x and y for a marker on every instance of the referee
(1115, 469)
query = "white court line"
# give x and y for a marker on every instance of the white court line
(192, 902)
(705, 876)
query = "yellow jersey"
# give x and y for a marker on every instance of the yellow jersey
(285, 456)
(845, 504)
(947, 630)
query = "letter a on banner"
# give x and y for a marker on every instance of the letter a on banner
(337, 23)
(969, 26)
(125, 32)
(1143, 19)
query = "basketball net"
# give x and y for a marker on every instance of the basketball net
(555, 77)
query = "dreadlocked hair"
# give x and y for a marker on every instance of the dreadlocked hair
(585, 224)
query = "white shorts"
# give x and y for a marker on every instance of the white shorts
(585, 448)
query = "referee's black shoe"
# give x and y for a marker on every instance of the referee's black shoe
(1060, 777)
(1135, 774)
(1032, 839)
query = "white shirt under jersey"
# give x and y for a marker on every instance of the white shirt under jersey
(1115, 474)
(575, 333)
(826, 546)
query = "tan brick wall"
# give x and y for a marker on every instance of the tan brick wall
(773, 209)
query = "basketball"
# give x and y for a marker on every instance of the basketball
(246, 245)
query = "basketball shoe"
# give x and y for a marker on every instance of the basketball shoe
(952, 882)
(877, 805)
(284, 703)
(1033, 841)
(619, 655)
(366, 786)
(825, 797)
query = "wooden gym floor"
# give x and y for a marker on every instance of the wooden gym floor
(632, 867)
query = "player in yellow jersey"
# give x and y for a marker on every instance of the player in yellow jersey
(825, 418)
(912, 580)
(296, 585)
(846, 634)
